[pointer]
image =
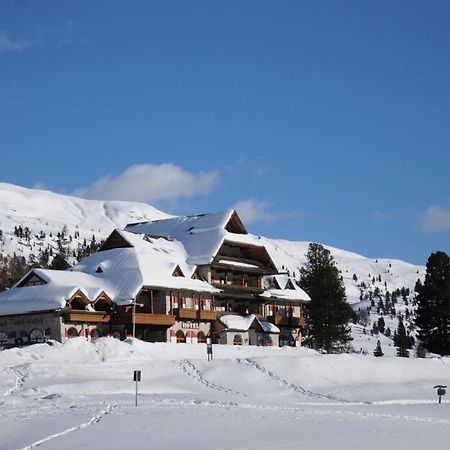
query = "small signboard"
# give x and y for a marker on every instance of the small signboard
(440, 391)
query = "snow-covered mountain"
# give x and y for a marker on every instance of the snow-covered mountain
(32, 220)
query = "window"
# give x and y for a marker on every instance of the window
(201, 338)
(3, 338)
(36, 335)
(78, 304)
(72, 332)
(181, 338)
(237, 340)
(103, 305)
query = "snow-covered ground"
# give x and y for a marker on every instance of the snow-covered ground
(78, 394)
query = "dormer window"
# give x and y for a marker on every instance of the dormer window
(99, 270)
(290, 285)
(32, 280)
(177, 272)
(79, 301)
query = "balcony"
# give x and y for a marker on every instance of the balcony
(145, 319)
(87, 317)
(237, 288)
(194, 314)
(206, 314)
(286, 321)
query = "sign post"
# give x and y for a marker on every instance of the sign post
(440, 391)
(209, 350)
(136, 378)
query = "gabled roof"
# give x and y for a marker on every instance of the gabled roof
(233, 322)
(285, 288)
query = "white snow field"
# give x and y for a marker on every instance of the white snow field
(81, 395)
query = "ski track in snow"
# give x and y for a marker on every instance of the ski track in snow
(306, 409)
(94, 419)
(293, 387)
(189, 369)
(21, 375)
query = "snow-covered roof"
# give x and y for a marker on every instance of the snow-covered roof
(59, 287)
(159, 254)
(201, 235)
(243, 323)
(119, 272)
(149, 262)
(286, 289)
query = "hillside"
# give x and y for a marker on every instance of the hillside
(46, 220)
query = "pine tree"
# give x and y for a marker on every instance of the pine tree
(381, 324)
(378, 352)
(401, 340)
(433, 305)
(328, 312)
(59, 263)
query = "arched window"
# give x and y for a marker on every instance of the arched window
(237, 340)
(3, 338)
(181, 338)
(95, 334)
(72, 332)
(201, 338)
(36, 335)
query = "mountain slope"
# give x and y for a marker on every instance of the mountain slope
(46, 214)
(32, 220)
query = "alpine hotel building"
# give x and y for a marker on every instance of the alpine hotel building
(181, 280)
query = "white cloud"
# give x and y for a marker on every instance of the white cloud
(8, 44)
(260, 171)
(435, 219)
(379, 216)
(150, 183)
(253, 210)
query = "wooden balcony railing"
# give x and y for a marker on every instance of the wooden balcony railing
(185, 313)
(194, 314)
(145, 319)
(87, 317)
(206, 314)
(286, 321)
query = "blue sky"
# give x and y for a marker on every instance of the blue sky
(320, 120)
